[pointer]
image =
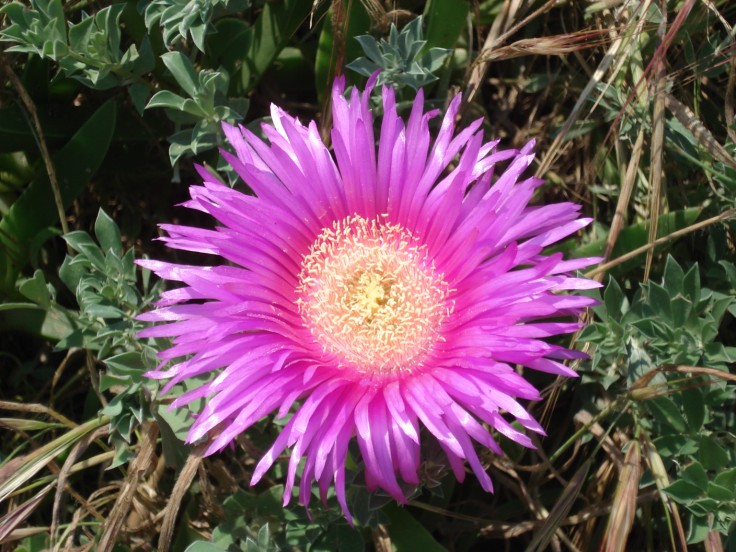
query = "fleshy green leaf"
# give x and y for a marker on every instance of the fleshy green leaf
(108, 234)
(683, 491)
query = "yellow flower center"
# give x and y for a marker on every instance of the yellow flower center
(369, 294)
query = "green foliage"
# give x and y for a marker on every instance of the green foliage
(206, 107)
(111, 82)
(183, 18)
(446, 20)
(638, 343)
(260, 44)
(251, 524)
(95, 58)
(92, 55)
(246, 522)
(675, 322)
(89, 51)
(104, 280)
(711, 501)
(41, 29)
(400, 59)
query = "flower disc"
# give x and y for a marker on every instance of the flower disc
(370, 295)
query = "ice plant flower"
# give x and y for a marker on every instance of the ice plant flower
(383, 294)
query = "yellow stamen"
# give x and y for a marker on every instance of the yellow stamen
(369, 294)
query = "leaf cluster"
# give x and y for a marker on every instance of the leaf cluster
(88, 51)
(671, 324)
(402, 60)
(104, 280)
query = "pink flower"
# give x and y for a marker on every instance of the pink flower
(383, 294)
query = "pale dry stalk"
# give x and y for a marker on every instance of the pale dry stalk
(585, 418)
(183, 482)
(622, 205)
(656, 175)
(381, 539)
(621, 519)
(701, 133)
(478, 70)
(64, 473)
(713, 542)
(662, 480)
(122, 505)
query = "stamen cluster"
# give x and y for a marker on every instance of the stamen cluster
(370, 295)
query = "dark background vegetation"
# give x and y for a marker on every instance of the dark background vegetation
(106, 105)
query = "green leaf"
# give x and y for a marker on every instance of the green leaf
(407, 534)
(712, 455)
(108, 234)
(129, 363)
(59, 127)
(80, 33)
(696, 474)
(348, 539)
(40, 29)
(108, 381)
(264, 537)
(399, 58)
(371, 49)
(659, 299)
(668, 414)
(139, 93)
(676, 445)
(36, 289)
(683, 491)
(681, 309)
(614, 299)
(71, 273)
(446, 20)
(204, 546)
(717, 492)
(75, 164)
(698, 530)
(82, 243)
(726, 479)
(53, 322)
(198, 32)
(174, 425)
(167, 99)
(673, 276)
(275, 26)
(232, 37)
(97, 60)
(433, 60)
(638, 360)
(695, 409)
(183, 72)
(179, 18)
